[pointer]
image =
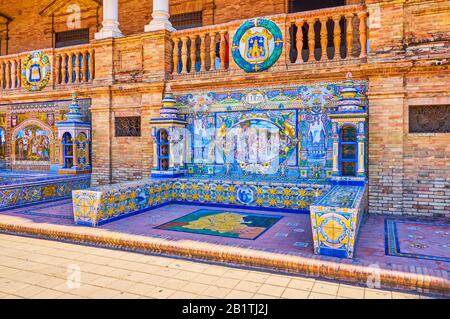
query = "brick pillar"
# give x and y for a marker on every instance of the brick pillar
(102, 133)
(151, 103)
(157, 56)
(386, 103)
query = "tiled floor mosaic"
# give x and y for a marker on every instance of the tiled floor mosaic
(418, 239)
(223, 223)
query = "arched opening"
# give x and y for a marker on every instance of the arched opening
(348, 151)
(162, 139)
(67, 150)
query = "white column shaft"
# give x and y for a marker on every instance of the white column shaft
(160, 17)
(110, 21)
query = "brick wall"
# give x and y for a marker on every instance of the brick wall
(426, 163)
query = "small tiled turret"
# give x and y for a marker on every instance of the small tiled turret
(349, 100)
(168, 111)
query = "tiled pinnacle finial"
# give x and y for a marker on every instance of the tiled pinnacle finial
(168, 110)
(349, 100)
(74, 109)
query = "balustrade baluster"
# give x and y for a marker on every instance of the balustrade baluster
(19, 73)
(184, 56)
(289, 41)
(362, 34)
(212, 51)
(78, 57)
(1, 75)
(311, 40)
(63, 68)
(91, 65)
(349, 21)
(337, 37)
(299, 41)
(58, 69)
(203, 52)
(8, 74)
(85, 66)
(70, 67)
(14, 74)
(175, 55)
(323, 38)
(222, 50)
(193, 54)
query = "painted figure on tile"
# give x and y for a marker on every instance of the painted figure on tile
(2, 143)
(32, 144)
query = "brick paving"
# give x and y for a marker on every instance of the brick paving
(36, 268)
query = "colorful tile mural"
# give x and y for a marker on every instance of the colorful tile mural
(223, 223)
(263, 132)
(417, 239)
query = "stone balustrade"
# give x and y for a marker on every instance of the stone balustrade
(201, 50)
(74, 65)
(309, 36)
(327, 34)
(10, 72)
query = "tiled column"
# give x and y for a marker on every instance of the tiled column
(110, 21)
(361, 149)
(160, 17)
(335, 139)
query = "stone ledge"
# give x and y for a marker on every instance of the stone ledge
(434, 282)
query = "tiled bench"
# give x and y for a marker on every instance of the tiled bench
(102, 204)
(17, 194)
(335, 220)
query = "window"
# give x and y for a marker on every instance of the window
(302, 5)
(348, 151)
(163, 150)
(127, 126)
(187, 20)
(429, 118)
(71, 37)
(67, 150)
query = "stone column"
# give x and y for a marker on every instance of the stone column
(110, 21)
(160, 17)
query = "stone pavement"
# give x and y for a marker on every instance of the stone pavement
(287, 246)
(36, 268)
